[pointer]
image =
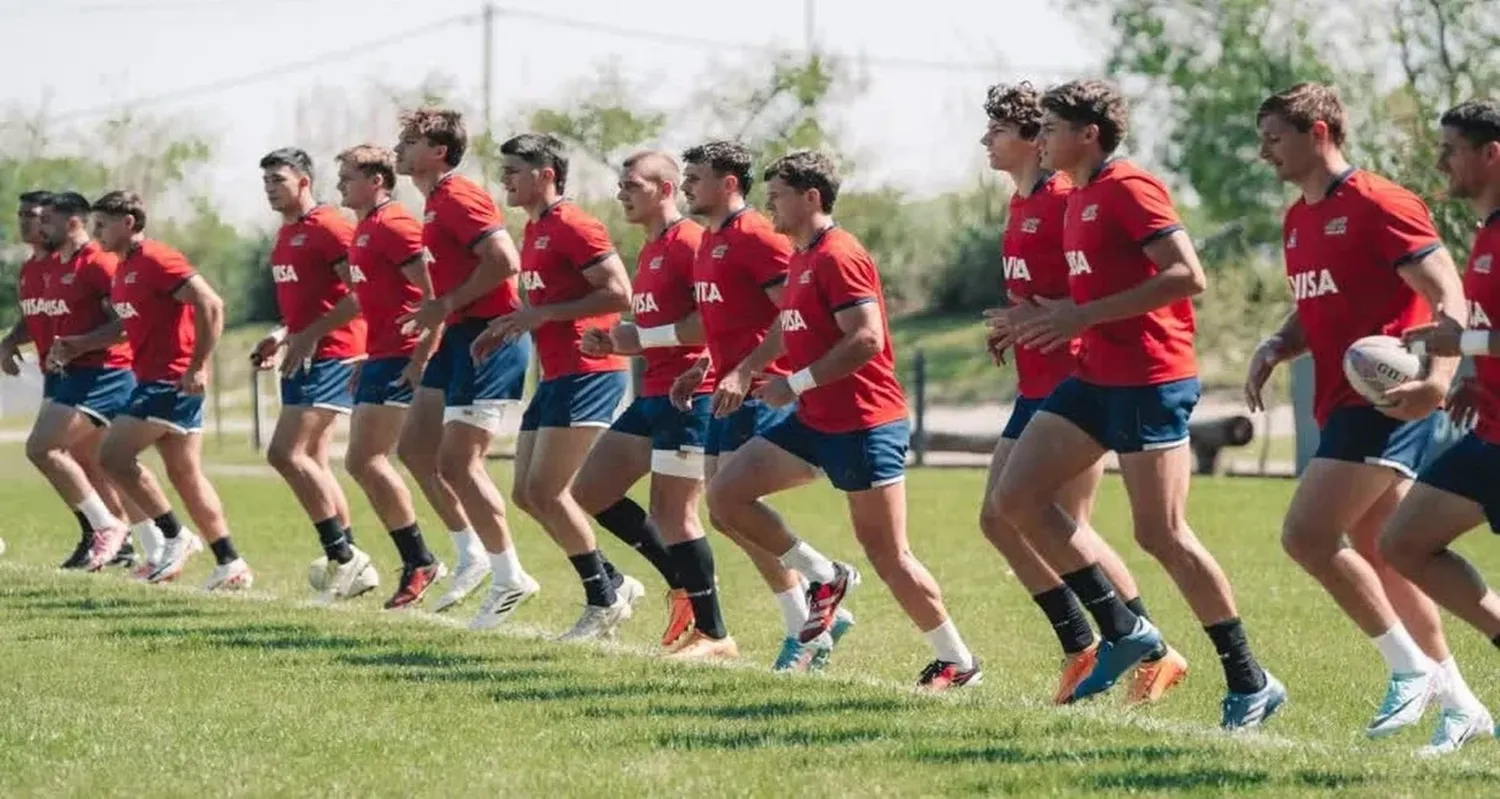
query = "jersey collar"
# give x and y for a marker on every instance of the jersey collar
(1045, 178)
(674, 223)
(1108, 162)
(548, 209)
(733, 215)
(1339, 180)
(818, 237)
(1492, 219)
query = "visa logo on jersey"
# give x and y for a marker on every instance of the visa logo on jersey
(705, 291)
(792, 321)
(1078, 263)
(532, 281)
(36, 306)
(283, 273)
(1311, 284)
(1477, 317)
(643, 303)
(125, 310)
(1015, 269)
(356, 275)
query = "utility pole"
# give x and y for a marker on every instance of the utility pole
(488, 78)
(808, 36)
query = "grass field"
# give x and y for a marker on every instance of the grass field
(117, 689)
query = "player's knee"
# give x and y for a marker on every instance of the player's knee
(1166, 540)
(455, 467)
(715, 522)
(360, 464)
(993, 524)
(417, 458)
(37, 450)
(119, 463)
(282, 457)
(723, 501)
(889, 563)
(1016, 504)
(521, 499)
(1401, 550)
(1305, 544)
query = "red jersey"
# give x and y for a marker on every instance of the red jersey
(662, 294)
(459, 215)
(1482, 287)
(558, 247)
(308, 286)
(736, 265)
(81, 287)
(1035, 267)
(832, 274)
(384, 241)
(160, 327)
(1342, 254)
(31, 289)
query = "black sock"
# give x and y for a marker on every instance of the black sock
(629, 523)
(349, 534)
(597, 589)
(694, 560)
(224, 551)
(1241, 672)
(1496, 641)
(83, 524)
(167, 524)
(1068, 622)
(1098, 596)
(412, 548)
(331, 536)
(616, 579)
(1138, 607)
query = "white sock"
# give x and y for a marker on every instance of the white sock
(93, 509)
(148, 537)
(809, 562)
(793, 605)
(467, 546)
(505, 568)
(949, 646)
(1401, 653)
(1454, 693)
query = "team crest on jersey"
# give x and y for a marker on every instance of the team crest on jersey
(67, 280)
(541, 242)
(1291, 241)
(655, 263)
(1337, 226)
(1090, 212)
(1031, 224)
(299, 239)
(719, 251)
(1482, 264)
(363, 240)
(805, 278)
(129, 278)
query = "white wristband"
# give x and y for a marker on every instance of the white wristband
(1474, 342)
(801, 381)
(660, 336)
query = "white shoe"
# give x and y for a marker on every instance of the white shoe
(317, 574)
(1406, 699)
(1456, 728)
(349, 580)
(602, 622)
(232, 576)
(469, 576)
(502, 602)
(174, 555)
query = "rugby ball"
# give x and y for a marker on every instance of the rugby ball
(1377, 364)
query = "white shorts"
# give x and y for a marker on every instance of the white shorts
(677, 463)
(487, 415)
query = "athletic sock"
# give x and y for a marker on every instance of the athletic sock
(467, 546)
(1496, 641)
(793, 605)
(349, 534)
(1067, 619)
(597, 589)
(1454, 692)
(224, 551)
(1138, 607)
(629, 522)
(1241, 672)
(1401, 653)
(97, 513)
(167, 524)
(413, 549)
(331, 536)
(83, 524)
(694, 561)
(1098, 596)
(505, 568)
(810, 562)
(949, 646)
(148, 537)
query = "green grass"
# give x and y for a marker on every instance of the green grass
(958, 367)
(116, 689)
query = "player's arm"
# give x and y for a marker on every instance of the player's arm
(17, 336)
(628, 338)
(342, 313)
(415, 270)
(208, 318)
(1433, 275)
(105, 335)
(863, 338)
(10, 355)
(1179, 276)
(499, 260)
(1289, 340)
(610, 293)
(769, 349)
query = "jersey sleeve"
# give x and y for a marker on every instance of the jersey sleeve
(583, 242)
(99, 274)
(847, 279)
(1143, 208)
(172, 272)
(335, 236)
(469, 218)
(398, 241)
(1402, 228)
(765, 256)
(682, 255)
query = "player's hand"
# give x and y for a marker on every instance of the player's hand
(686, 385)
(300, 348)
(428, 316)
(1262, 363)
(1004, 324)
(1465, 402)
(63, 350)
(10, 358)
(411, 374)
(596, 343)
(730, 394)
(1059, 322)
(194, 381)
(1440, 338)
(1415, 399)
(264, 354)
(776, 392)
(625, 339)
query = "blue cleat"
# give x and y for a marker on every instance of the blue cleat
(1246, 711)
(843, 622)
(1406, 699)
(793, 655)
(1117, 657)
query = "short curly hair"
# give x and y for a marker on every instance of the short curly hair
(1306, 103)
(1091, 102)
(807, 169)
(1017, 104)
(1478, 121)
(442, 127)
(725, 158)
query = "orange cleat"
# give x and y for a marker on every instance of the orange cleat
(1152, 680)
(697, 646)
(679, 617)
(1075, 667)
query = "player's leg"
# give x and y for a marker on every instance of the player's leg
(182, 458)
(417, 449)
(299, 437)
(119, 454)
(59, 429)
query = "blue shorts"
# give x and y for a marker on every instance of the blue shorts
(751, 419)
(1362, 434)
(854, 461)
(669, 429)
(1020, 416)
(100, 394)
(377, 383)
(163, 403)
(49, 384)
(1128, 419)
(497, 380)
(582, 400)
(1468, 469)
(322, 384)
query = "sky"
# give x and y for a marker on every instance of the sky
(915, 127)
